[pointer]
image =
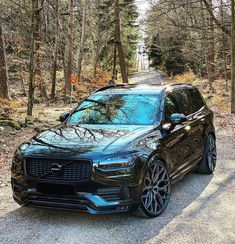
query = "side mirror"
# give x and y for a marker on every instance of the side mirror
(177, 119)
(64, 116)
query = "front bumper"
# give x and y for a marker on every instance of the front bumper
(84, 202)
(103, 193)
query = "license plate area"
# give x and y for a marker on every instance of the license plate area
(56, 189)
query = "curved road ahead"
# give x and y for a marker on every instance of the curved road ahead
(148, 77)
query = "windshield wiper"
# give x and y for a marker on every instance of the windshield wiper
(94, 101)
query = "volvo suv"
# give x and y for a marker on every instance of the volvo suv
(119, 150)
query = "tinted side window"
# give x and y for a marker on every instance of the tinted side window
(196, 102)
(184, 101)
(171, 105)
(190, 101)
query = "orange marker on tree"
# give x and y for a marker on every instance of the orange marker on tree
(73, 79)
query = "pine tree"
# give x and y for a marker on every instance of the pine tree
(155, 52)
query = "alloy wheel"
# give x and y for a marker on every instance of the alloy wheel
(156, 189)
(211, 153)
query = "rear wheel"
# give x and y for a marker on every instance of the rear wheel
(208, 163)
(156, 190)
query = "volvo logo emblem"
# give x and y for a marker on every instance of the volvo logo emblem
(56, 168)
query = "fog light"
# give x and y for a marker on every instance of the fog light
(125, 193)
(122, 208)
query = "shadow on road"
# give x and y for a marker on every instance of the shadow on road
(122, 227)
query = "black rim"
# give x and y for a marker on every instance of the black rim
(156, 190)
(211, 153)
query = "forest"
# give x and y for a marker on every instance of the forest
(191, 35)
(43, 43)
(194, 37)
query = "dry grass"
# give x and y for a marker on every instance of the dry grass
(187, 77)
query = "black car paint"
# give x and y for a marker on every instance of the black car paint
(180, 148)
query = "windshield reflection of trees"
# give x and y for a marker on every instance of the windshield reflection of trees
(74, 139)
(117, 109)
(77, 138)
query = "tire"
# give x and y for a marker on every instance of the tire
(208, 163)
(155, 191)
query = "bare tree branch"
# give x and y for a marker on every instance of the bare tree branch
(222, 27)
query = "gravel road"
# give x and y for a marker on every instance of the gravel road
(148, 77)
(201, 210)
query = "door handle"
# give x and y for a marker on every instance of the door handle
(187, 128)
(190, 119)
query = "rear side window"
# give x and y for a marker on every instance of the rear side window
(196, 102)
(171, 105)
(190, 101)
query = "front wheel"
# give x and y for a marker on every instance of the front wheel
(208, 162)
(156, 190)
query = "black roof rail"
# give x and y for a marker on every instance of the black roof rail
(180, 84)
(127, 84)
(103, 88)
(112, 86)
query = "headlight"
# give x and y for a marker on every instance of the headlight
(17, 161)
(120, 161)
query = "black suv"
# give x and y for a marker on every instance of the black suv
(119, 150)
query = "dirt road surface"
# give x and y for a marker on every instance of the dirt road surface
(148, 77)
(201, 210)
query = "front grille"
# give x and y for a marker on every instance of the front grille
(56, 169)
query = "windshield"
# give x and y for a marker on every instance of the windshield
(117, 109)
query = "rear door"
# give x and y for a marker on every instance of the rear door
(192, 106)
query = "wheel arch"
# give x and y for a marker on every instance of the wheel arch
(154, 157)
(213, 134)
(209, 131)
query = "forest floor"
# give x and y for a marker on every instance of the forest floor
(201, 209)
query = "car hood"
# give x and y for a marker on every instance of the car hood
(85, 140)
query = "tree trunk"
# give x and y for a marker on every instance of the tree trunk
(119, 43)
(114, 76)
(211, 49)
(233, 59)
(224, 46)
(40, 84)
(81, 48)
(4, 92)
(97, 51)
(32, 63)
(97, 48)
(69, 49)
(204, 39)
(54, 65)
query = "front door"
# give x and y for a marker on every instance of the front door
(176, 141)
